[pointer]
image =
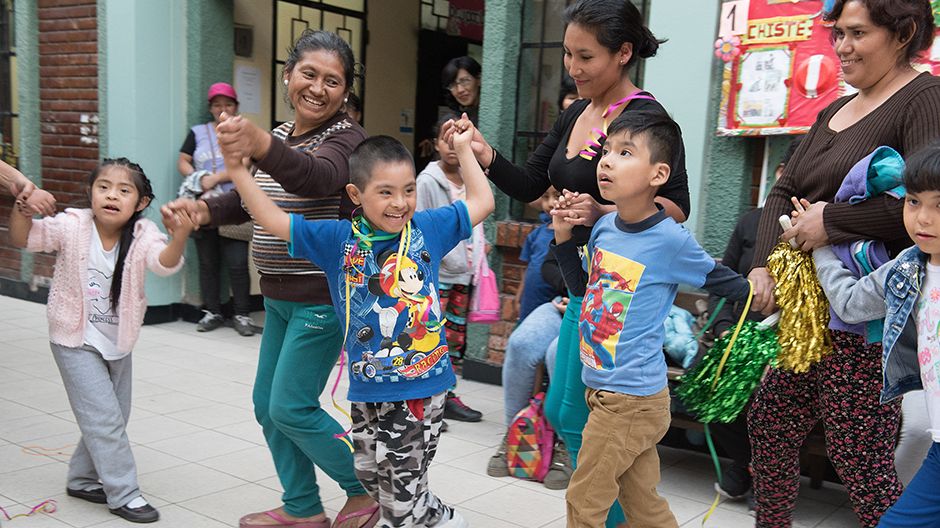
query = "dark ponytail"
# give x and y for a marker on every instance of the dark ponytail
(615, 22)
(144, 191)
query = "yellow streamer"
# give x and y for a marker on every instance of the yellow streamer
(404, 243)
(721, 366)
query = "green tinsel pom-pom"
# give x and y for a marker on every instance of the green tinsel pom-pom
(755, 347)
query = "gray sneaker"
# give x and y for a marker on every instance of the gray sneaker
(244, 325)
(560, 473)
(209, 322)
(497, 466)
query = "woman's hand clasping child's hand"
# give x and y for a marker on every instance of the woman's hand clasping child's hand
(179, 224)
(560, 225)
(463, 133)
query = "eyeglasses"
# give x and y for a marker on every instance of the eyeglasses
(464, 83)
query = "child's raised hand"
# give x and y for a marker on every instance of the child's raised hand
(559, 214)
(463, 132)
(238, 138)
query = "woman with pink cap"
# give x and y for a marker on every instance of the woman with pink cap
(200, 163)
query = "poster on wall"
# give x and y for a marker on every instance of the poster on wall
(779, 66)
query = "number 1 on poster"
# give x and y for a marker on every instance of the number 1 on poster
(733, 18)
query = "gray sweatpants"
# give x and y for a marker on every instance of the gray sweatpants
(100, 395)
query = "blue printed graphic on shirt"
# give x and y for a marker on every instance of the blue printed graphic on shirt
(395, 340)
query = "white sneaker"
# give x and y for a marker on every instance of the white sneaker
(456, 521)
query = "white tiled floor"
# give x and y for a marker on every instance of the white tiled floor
(203, 462)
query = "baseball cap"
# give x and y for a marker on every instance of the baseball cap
(222, 88)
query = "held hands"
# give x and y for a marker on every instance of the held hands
(179, 224)
(763, 285)
(240, 138)
(560, 212)
(808, 229)
(32, 200)
(196, 211)
(561, 305)
(482, 150)
(577, 208)
(463, 134)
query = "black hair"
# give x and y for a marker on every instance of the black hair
(922, 173)
(436, 127)
(614, 22)
(371, 152)
(662, 134)
(567, 87)
(144, 191)
(449, 73)
(353, 102)
(791, 148)
(909, 21)
(316, 40)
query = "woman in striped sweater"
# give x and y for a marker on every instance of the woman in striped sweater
(303, 166)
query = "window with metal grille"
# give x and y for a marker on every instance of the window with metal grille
(541, 66)
(9, 122)
(347, 18)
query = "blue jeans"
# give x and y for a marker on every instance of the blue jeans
(919, 505)
(528, 346)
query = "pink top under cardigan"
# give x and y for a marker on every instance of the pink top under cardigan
(70, 234)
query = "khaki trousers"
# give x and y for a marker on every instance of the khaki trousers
(618, 461)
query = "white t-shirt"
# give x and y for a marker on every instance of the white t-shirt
(928, 346)
(101, 326)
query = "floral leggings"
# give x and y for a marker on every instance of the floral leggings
(843, 391)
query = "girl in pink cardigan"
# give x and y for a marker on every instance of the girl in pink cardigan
(94, 321)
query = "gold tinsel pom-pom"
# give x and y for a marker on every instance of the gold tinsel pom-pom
(804, 310)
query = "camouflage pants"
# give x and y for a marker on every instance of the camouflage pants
(394, 449)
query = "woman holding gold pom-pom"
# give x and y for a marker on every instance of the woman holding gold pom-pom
(897, 107)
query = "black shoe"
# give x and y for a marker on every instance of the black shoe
(244, 325)
(444, 426)
(209, 322)
(142, 514)
(94, 495)
(735, 483)
(454, 409)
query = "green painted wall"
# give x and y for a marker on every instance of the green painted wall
(501, 39)
(727, 175)
(142, 103)
(679, 76)
(26, 22)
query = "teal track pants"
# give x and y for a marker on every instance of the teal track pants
(565, 407)
(300, 345)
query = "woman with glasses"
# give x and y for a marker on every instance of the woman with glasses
(461, 77)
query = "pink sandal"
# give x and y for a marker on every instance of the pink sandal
(282, 522)
(372, 511)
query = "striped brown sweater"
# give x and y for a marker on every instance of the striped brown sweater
(908, 120)
(305, 175)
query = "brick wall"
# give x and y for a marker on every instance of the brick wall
(68, 106)
(510, 237)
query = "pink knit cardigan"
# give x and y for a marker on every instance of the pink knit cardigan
(70, 233)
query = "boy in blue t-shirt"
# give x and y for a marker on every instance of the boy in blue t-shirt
(637, 257)
(382, 270)
(534, 290)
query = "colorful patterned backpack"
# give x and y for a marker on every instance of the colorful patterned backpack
(530, 442)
